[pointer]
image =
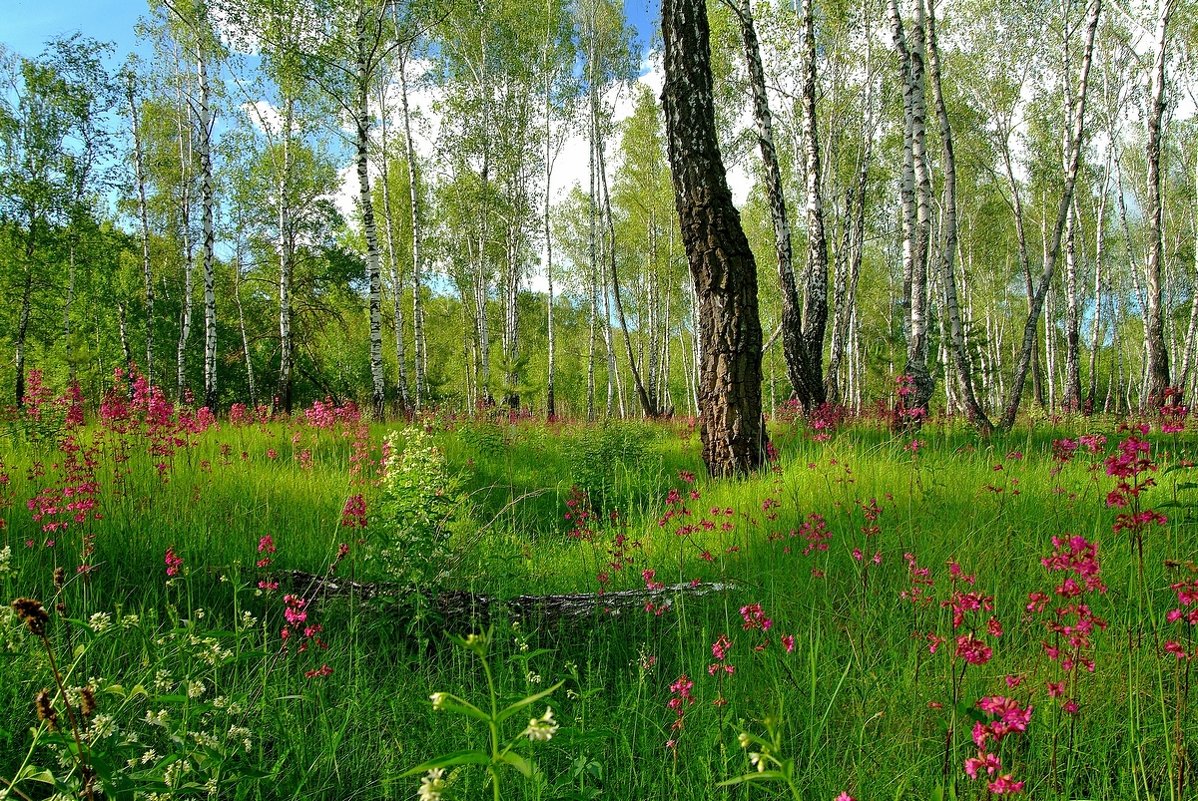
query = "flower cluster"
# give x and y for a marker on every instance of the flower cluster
(681, 698)
(1008, 718)
(1186, 615)
(174, 562)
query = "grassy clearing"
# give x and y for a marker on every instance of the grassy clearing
(859, 705)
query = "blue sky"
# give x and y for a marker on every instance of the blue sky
(29, 23)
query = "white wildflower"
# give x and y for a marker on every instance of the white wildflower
(100, 622)
(543, 728)
(432, 786)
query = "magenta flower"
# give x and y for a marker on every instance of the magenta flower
(173, 562)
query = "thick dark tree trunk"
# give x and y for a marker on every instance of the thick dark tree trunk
(721, 263)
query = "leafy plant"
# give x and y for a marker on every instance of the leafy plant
(501, 751)
(420, 501)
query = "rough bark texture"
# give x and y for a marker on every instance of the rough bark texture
(1157, 352)
(721, 264)
(1054, 247)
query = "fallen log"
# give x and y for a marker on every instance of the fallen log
(461, 603)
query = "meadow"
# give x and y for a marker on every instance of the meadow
(245, 606)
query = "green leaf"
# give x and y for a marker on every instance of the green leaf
(525, 702)
(469, 710)
(32, 773)
(519, 763)
(456, 758)
(762, 776)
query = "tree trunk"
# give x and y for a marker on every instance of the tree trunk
(647, 404)
(798, 362)
(401, 356)
(914, 191)
(286, 259)
(550, 371)
(1158, 355)
(418, 344)
(721, 263)
(123, 332)
(206, 209)
(185, 154)
(815, 296)
(948, 249)
(26, 309)
(144, 219)
(1099, 250)
(362, 140)
(1074, 160)
(1024, 260)
(245, 340)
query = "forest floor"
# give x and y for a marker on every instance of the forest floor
(879, 615)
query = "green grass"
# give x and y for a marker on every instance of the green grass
(854, 704)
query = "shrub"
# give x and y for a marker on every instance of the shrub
(419, 502)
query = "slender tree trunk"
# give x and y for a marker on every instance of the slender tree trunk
(373, 277)
(948, 250)
(144, 219)
(26, 309)
(185, 155)
(67, 308)
(794, 348)
(1074, 160)
(721, 263)
(1187, 351)
(815, 297)
(1158, 355)
(647, 405)
(916, 212)
(245, 340)
(1024, 260)
(286, 259)
(1099, 250)
(123, 331)
(418, 344)
(550, 370)
(401, 356)
(207, 203)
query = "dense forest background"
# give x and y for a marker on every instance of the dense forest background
(465, 204)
